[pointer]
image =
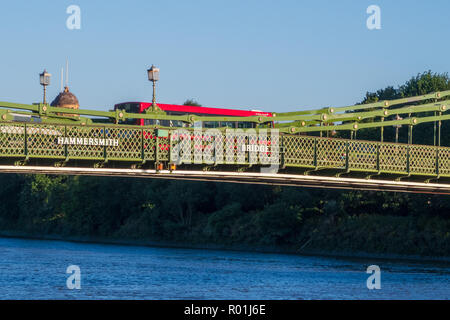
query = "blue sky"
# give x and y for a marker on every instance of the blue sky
(270, 55)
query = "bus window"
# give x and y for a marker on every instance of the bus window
(165, 123)
(130, 108)
(151, 122)
(210, 124)
(229, 124)
(245, 125)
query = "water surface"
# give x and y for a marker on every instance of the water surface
(36, 269)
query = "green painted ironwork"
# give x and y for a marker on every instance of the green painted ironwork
(324, 119)
(39, 131)
(137, 144)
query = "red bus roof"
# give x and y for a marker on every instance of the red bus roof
(204, 110)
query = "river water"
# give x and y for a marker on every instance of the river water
(36, 269)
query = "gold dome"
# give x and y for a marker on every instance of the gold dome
(66, 99)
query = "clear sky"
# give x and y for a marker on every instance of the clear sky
(270, 55)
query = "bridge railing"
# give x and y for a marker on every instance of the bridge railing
(365, 156)
(205, 147)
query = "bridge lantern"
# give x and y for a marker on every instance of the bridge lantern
(153, 76)
(44, 79)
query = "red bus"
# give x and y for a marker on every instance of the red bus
(173, 109)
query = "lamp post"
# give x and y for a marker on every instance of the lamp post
(44, 79)
(153, 76)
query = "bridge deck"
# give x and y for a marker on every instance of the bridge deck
(244, 177)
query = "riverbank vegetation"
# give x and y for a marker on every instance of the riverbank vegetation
(295, 219)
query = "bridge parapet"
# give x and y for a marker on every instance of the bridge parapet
(202, 148)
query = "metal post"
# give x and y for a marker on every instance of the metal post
(382, 130)
(156, 149)
(410, 134)
(408, 160)
(434, 136)
(105, 154)
(437, 161)
(347, 155)
(143, 145)
(66, 151)
(25, 146)
(154, 97)
(378, 157)
(439, 130)
(396, 134)
(45, 101)
(315, 152)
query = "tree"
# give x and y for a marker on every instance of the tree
(191, 102)
(422, 83)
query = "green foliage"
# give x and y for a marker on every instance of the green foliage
(278, 223)
(189, 212)
(423, 83)
(191, 102)
(221, 225)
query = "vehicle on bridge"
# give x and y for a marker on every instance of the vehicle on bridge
(176, 110)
